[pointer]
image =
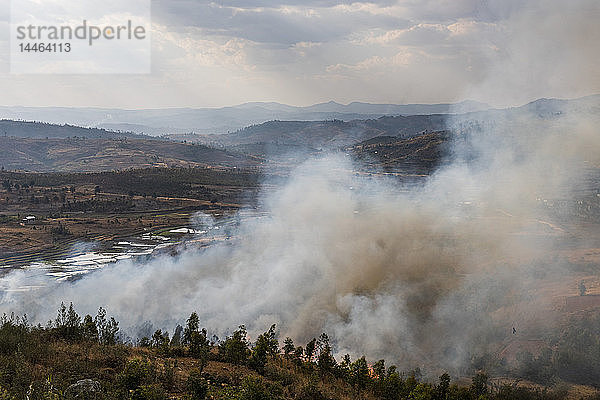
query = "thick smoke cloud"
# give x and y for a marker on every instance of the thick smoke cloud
(428, 274)
(424, 274)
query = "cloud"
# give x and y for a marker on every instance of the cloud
(227, 52)
(277, 24)
(401, 59)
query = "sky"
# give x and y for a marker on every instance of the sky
(220, 53)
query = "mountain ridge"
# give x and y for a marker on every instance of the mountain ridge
(162, 121)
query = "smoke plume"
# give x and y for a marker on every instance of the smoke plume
(423, 274)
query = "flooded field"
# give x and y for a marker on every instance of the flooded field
(86, 257)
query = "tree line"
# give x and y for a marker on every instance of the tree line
(44, 362)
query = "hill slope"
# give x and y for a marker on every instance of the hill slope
(87, 155)
(420, 154)
(46, 130)
(326, 134)
(221, 120)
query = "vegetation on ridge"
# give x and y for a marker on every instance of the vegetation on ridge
(74, 357)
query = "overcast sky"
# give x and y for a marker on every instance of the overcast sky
(300, 52)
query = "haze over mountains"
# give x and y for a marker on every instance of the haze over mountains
(157, 122)
(393, 142)
(338, 133)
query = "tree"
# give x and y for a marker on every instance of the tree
(157, 338)
(107, 328)
(479, 384)
(191, 327)
(392, 386)
(442, 388)
(161, 341)
(199, 347)
(423, 391)
(411, 383)
(379, 369)
(61, 318)
(235, 347)
(288, 347)
(325, 361)
(73, 323)
(309, 350)
(359, 373)
(176, 340)
(89, 330)
(344, 367)
(298, 353)
(68, 322)
(266, 345)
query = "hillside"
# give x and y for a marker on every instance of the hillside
(335, 134)
(43, 130)
(87, 155)
(75, 358)
(326, 134)
(40, 147)
(223, 119)
(285, 142)
(420, 154)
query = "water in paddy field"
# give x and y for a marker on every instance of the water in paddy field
(87, 257)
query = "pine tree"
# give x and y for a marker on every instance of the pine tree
(288, 347)
(193, 324)
(325, 361)
(309, 350)
(89, 329)
(107, 328)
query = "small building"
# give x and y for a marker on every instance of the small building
(29, 220)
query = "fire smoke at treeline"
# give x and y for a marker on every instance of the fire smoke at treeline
(429, 275)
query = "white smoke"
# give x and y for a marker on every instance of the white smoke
(423, 275)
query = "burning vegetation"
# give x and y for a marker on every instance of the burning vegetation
(88, 358)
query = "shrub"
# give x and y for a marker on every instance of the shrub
(136, 374)
(197, 386)
(149, 392)
(256, 389)
(5, 395)
(310, 391)
(168, 375)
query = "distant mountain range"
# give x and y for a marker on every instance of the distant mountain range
(395, 142)
(333, 134)
(158, 122)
